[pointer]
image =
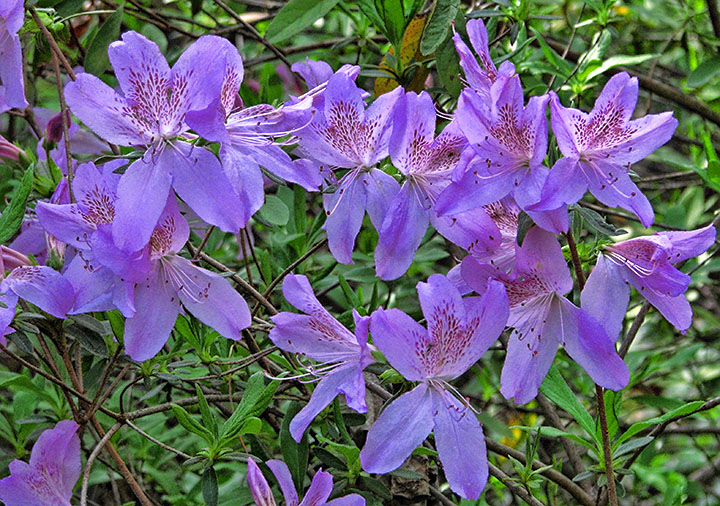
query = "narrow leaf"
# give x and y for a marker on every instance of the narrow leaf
(295, 17)
(96, 58)
(13, 214)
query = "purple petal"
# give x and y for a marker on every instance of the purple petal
(461, 446)
(106, 112)
(472, 230)
(142, 194)
(42, 286)
(277, 161)
(617, 99)
(587, 343)
(93, 287)
(259, 487)
(199, 180)
(612, 186)
(140, 68)
(565, 121)
(65, 223)
(58, 451)
(326, 390)
(413, 127)
(409, 415)
(348, 500)
(209, 123)
(605, 296)
(210, 298)
(246, 179)
(320, 489)
(541, 254)
(313, 72)
(474, 190)
(647, 134)
(398, 337)
(556, 221)
(689, 244)
(402, 231)
(7, 313)
(282, 474)
(12, 89)
(676, 309)
(374, 138)
(345, 210)
(157, 308)
(565, 184)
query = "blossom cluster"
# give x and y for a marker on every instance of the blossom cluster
(121, 226)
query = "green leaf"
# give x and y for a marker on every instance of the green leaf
(191, 424)
(438, 26)
(96, 58)
(254, 401)
(524, 224)
(553, 432)
(207, 416)
(683, 410)
(350, 295)
(295, 17)
(596, 222)
(210, 487)
(555, 388)
(615, 61)
(195, 6)
(294, 454)
(705, 72)
(252, 425)
(447, 62)
(12, 216)
(563, 67)
(275, 211)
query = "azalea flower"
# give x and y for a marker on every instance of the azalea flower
(54, 468)
(458, 332)
(319, 336)
(542, 318)
(317, 495)
(599, 147)
(427, 162)
(151, 113)
(12, 81)
(646, 263)
(345, 135)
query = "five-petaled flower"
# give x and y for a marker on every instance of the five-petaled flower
(646, 264)
(458, 332)
(319, 336)
(542, 318)
(599, 147)
(54, 468)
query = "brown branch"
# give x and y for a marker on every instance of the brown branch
(53, 44)
(514, 489)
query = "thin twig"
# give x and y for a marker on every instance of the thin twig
(157, 442)
(607, 452)
(53, 44)
(91, 461)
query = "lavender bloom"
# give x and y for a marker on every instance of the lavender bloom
(12, 81)
(54, 468)
(320, 488)
(459, 332)
(246, 137)
(151, 113)
(319, 336)
(8, 150)
(345, 135)
(599, 147)
(427, 162)
(542, 318)
(480, 79)
(39, 285)
(172, 281)
(646, 264)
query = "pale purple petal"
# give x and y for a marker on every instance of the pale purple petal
(410, 415)
(7, 313)
(320, 489)
(413, 128)
(246, 179)
(313, 72)
(565, 184)
(381, 189)
(42, 286)
(282, 474)
(605, 296)
(617, 99)
(199, 180)
(402, 231)
(398, 337)
(106, 112)
(277, 161)
(65, 222)
(461, 446)
(210, 298)
(541, 254)
(648, 133)
(345, 209)
(689, 244)
(157, 307)
(473, 230)
(374, 138)
(209, 123)
(587, 343)
(556, 221)
(12, 89)
(563, 120)
(93, 286)
(142, 194)
(676, 309)
(259, 487)
(348, 500)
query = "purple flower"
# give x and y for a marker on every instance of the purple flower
(172, 281)
(345, 135)
(319, 336)
(320, 488)
(480, 79)
(39, 285)
(646, 264)
(54, 468)
(427, 162)
(599, 147)
(12, 81)
(8, 150)
(151, 112)
(542, 318)
(458, 332)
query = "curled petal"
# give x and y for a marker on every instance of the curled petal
(259, 487)
(282, 474)
(42, 286)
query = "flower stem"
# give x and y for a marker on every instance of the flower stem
(607, 454)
